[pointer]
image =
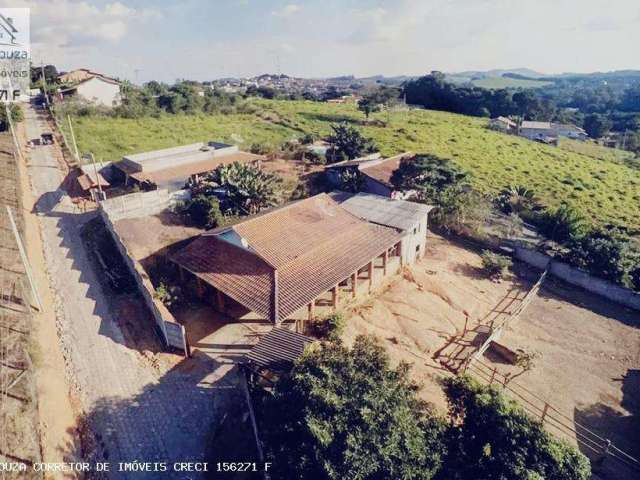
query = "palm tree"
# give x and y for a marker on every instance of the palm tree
(516, 199)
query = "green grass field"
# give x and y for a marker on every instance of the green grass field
(596, 151)
(605, 190)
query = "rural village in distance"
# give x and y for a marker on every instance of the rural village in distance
(367, 264)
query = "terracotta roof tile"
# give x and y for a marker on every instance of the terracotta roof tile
(239, 273)
(278, 349)
(382, 171)
(314, 244)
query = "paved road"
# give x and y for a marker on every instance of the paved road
(135, 412)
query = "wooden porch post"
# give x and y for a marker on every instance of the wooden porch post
(334, 298)
(354, 284)
(311, 310)
(385, 258)
(399, 247)
(370, 275)
(220, 300)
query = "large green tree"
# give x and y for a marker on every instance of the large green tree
(348, 143)
(492, 438)
(345, 413)
(596, 125)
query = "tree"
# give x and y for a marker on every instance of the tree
(205, 211)
(429, 176)
(368, 104)
(492, 438)
(345, 413)
(516, 199)
(351, 180)
(596, 125)
(245, 189)
(348, 142)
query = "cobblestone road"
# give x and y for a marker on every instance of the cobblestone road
(135, 412)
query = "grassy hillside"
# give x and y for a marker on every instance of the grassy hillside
(605, 191)
(596, 151)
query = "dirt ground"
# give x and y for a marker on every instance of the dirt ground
(420, 313)
(167, 227)
(588, 348)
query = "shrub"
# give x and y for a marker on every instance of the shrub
(494, 264)
(205, 211)
(330, 327)
(167, 294)
(493, 438)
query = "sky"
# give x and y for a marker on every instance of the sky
(164, 40)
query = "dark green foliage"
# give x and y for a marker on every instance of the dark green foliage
(348, 143)
(205, 211)
(596, 125)
(244, 188)
(430, 176)
(492, 438)
(516, 199)
(16, 115)
(634, 274)
(374, 101)
(330, 327)
(605, 254)
(494, 264)
(347, 414)
(351, 180)
(562, 224)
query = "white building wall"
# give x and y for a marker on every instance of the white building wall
(100, 92)
(414, 242)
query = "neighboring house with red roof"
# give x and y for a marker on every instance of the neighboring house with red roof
(281, 261)
(376, 174)
(95, 89)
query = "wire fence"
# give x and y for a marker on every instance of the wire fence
(552, 418)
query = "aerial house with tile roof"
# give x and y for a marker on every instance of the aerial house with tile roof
(280, 263)
(376, 174)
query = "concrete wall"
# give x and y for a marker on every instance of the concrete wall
(414, 244)
(142, 204)
(100, 92)
(163, 318)
(575, 276)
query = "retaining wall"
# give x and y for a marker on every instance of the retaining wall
(142, 204)
(172, 332)
(575, 276)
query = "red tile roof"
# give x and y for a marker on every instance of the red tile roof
(239, 273)
(313, 244)
(382, 171)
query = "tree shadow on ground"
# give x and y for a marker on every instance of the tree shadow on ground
(621, 428)
(556, 289)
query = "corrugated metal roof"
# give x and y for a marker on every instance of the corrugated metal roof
(385, 211)
(278, 349)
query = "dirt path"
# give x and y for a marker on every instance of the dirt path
(57, 416)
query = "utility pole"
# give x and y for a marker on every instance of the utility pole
(73, 138)
(44, 83)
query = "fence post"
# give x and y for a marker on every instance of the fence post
(544, 412)
(493, 375)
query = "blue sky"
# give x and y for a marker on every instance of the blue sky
(204, 39)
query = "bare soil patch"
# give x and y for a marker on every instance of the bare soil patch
(588, 348)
